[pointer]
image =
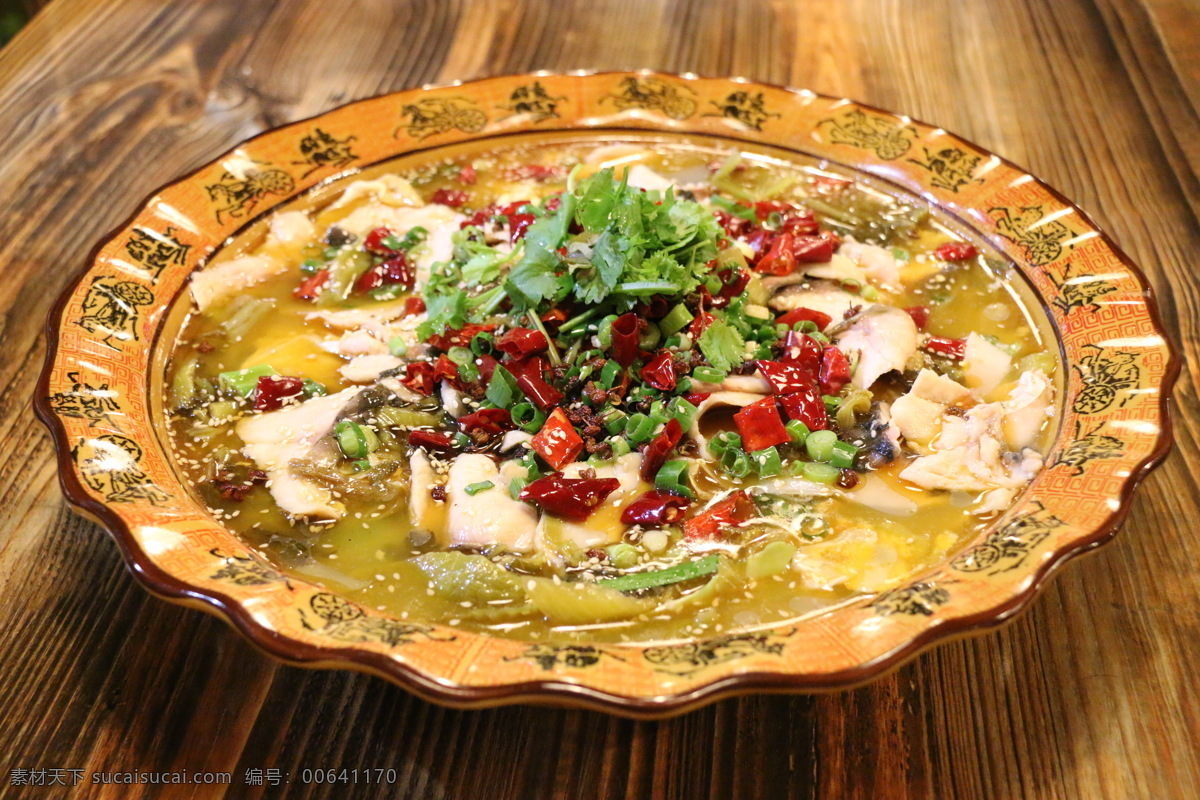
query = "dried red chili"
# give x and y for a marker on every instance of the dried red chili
(522, 342)
(835, 370)
(803, 350)
(431, 440)
(488, 420)
(455, 198)
(460, 337)
(655, 509)
(760, 425)
(625, 332)
(780, 259)
(785, 378)
(950, 348)
(920, 316)
(655, 454)
(558, 442)
(310, 288)
(818, 318)
(955, 251)
(736, 508)
(421, 377)
(529, 374)
(274, 391)
(812, 249)
(659, 372)
(807, 406)
(569, 498)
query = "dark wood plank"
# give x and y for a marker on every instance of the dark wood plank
(1088, 695)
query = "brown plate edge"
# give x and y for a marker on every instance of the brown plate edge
(558, 692)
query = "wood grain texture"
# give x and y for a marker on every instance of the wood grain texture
(1089, 695)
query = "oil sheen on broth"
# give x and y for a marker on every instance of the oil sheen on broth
(607, 389)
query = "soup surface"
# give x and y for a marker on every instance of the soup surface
(608, 390)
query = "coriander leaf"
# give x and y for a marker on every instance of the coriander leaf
(443, 311)
(722, 345)
(609, 256)
(533, 279)
(550, 232)
(597, 196)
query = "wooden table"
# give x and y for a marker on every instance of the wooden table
(1092, 694)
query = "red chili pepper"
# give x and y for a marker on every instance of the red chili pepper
(553, 204)
(955, 251)
(659, 372)
(395, 271)
(760, 425)
(951, 348)
(274, 391)
(479, 217)
(808, 406)
(466, 175)
(654, 308)
(835, 370)
(529, 374)
(518, 224)
(802, 349)
(557, 441)
(812, 249)
(733, 225)
(371, 279)
(920, 316)
(734, 280)
(310, 287)
(554, 317)
(534, 172)
(699, 324)
(431, 440)
(786, 378)
(696, 398)
(488, 420)
(736, 508)
(799, 222)
(512, 208)
(765, 208)
(522, 342)
(486, 364)
(780, 259)
(413, 306)
(374, 242)
(420, 376)
(654, 509)
(460, 337)
(655, 454)
(455, 198)
(570, 498)
(818, 318)
(625, 332)
(446, 370)
(759, 241)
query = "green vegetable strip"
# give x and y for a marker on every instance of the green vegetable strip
(482, 486)
(676, 320)
(687, 571)
(242, 382)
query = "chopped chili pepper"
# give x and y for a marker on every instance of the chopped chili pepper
(455, 198)
(534, 172)
(374, 242)
(786, 378)
(733, 225)
(431, 440)
(487, 365)
(513, 208)
(799, 222)
(274, 391)
(466, 175)
(460, 337)
(807, 406)
(699, 324)
(955, 251)
(518, 224)
(780, 259)
(759, 241)
(765, 208)
(920, 316)
(488, 420)
(558, 442)
(479, 217)
(569, 498)
(421, 377)
(310, 287)
(835, 370)
(394, 271)
(529, 372)
(696, 398)
(625, 332)
(812, 249)
(734, 281)
(554, 317)
(659, 372)
(655, 509)
(818, 318)
(950, 348)
(655, 454)
(522, 342)
(802, 349)
(736, 508)
(413, 306)
(760, 425)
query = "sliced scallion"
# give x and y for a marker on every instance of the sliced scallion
(636, 581)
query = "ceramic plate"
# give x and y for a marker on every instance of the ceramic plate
(101, 393)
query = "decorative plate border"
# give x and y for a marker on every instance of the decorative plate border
(102, 339)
